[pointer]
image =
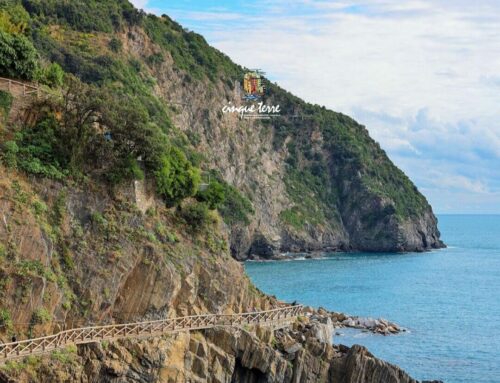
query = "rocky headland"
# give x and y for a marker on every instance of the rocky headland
(126, 194)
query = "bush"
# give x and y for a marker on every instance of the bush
(115, 45)
(18, 57)
(52, 75)
(5, 103)
(125, 170)
(13, 19)
(5, 319)
(9, 154)
(41, 316)
(175, 177)
(233, 206)
(236, 207)
(196, 215)
(213, 195)
(38, 150)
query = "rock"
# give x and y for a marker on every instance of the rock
(265, 334)
(292, 347)
(359, 366)
(322, 331)
(349, 322)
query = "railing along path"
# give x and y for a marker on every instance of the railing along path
(83, 335)
(13, 85)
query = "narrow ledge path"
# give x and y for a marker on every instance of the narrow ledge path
(275, 317)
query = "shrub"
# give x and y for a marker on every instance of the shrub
(5, 319)
(127, 169)
(196, 215)
(13, 19)
(175, 177)
(52, 75)
(236, 207)
(5, 103)
(41, 316)
(155, 59)
(213, 195)
(115, 45)
(9, 154)
(233, 206)
(39, 150)
(18, 57)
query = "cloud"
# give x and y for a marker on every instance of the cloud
(140, 4)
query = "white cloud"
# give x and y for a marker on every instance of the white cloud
(140, 4)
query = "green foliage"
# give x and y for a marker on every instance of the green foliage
(5, 103)
(236, 207)
(197, 215)
(37, 151)
(85, 15)
(213, 195)
(66, 356)
(51, 75)
(9, 154)
(13, 18)
(155, 59)
(115, 45)
(315, 201)
(41, 316)
(5, 319)
(176, 178)
(293, 217)
(18, 57)
(189, 50)
(126, 169)
(39, 207)
(232, 205)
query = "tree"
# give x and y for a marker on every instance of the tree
(82, 107)
(176, 178)
(18, 56)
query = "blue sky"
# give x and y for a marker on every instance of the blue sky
(423, 76)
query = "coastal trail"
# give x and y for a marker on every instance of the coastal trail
(276, 317)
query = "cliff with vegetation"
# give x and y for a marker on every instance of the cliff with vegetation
(126, 194)
(316, 182)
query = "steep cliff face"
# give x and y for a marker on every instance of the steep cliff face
(72, 256)
(317, 182)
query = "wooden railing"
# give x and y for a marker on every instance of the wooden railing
(83, 335)
(13, 85)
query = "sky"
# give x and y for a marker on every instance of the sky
(423, 76)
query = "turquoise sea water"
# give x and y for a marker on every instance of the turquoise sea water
(448, 299)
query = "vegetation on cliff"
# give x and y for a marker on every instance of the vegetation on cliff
(77, 49)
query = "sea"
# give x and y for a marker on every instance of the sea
(448, 299)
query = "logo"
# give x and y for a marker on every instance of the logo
(253, 106)
(253, 85)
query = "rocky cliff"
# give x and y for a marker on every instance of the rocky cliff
(316, 182)
(124, 191)
(79, 255)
